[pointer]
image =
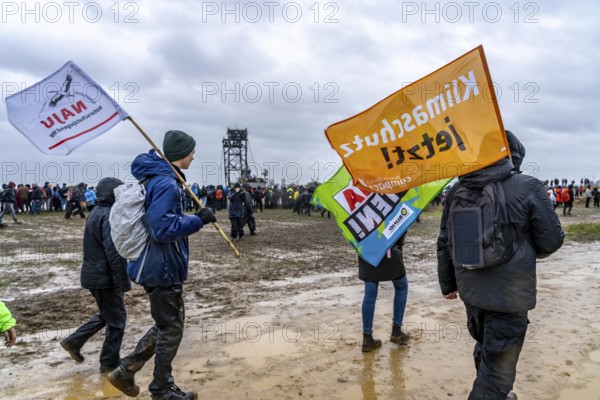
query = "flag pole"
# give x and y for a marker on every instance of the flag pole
(184, 183)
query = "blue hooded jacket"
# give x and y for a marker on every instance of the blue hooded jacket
(164, 261)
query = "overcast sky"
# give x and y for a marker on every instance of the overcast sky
(287, 70)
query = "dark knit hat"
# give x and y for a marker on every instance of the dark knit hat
(177, 145)
(237, 185)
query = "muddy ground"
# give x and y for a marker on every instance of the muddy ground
(284, 322)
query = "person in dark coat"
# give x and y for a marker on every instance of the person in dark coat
(391, 268)
(248, 209)
(104, 274)
(8, 201)
(497, 299)
(74, 204)
(236, 212)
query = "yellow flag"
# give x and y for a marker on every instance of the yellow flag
(444, 125)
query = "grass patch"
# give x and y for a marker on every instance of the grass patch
(583, 232)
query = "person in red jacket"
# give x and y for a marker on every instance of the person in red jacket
(559, 199)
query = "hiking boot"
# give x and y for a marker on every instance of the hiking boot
(511, 396)
(369, 343)
(174, 393)
(17, 222)
(124, 381)
(73, 352)
(398, 336)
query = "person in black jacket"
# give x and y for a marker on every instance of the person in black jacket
(248, 209)
(391, 268)
(9, 197)
(236, 212)
(104, 273)
(498, 298)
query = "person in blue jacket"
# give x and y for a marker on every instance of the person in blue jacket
(163, 266)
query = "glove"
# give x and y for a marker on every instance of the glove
(206, 216)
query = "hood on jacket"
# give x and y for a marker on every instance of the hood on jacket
(105, 189)
(497, 171)
(150, 164)
(517, 150)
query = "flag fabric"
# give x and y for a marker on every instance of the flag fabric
(64, 111)
(372, 222)
(444, 125)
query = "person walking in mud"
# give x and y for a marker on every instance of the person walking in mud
(8, 197)
(391, 268)
(498, 298)
(104, 274)
(163, 267)
(235, 212)
(248, 209)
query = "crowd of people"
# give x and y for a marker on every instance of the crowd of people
(523, 206)
(563, 195)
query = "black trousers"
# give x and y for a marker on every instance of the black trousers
(568, 206)
(163, 339)
(500, 338)
(74, 207)
(251, 222)
(237, 227)
(111, 306)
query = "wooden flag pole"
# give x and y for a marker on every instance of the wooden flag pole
(184, 183)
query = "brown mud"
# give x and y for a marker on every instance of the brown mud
(284, 320)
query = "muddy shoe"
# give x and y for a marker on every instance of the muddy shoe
(124, 381)
(369, 343)
(73, 352)
(174, 393)
(18, 222)
(511, 396)
(398, 336)
(105, 369)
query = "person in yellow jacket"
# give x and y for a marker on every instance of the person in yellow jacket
(7, 326)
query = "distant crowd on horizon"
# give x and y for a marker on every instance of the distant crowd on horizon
(74, 199)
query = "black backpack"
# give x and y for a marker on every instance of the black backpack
(480, 234)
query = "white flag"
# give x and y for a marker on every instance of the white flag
(64, 111)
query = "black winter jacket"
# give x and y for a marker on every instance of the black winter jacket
(510, 287)
(103, 267)
(236, 204)
(388, 269)
(248, 205)
(11, 195)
